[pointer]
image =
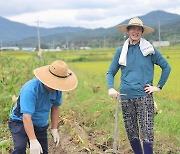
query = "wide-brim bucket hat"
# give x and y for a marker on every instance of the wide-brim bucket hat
(135, 22)
(57, 76)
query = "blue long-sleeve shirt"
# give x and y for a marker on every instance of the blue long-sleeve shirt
(138, 72)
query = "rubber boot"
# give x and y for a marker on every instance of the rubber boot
(148, 148)
(136, 146)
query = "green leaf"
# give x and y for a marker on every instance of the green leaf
(4, 143)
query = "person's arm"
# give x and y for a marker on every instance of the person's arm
(35, 146)
(54, 117)
(113, 69)
(28, 126)
(159, 60)
(54, 123)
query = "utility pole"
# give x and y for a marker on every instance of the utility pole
(39, 43)
(1, 45)
(159, 30)
(104, 42)
(67, 43)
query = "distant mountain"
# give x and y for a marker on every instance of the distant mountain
(14, 33)
(169, 27)
(152, 18)
(11, 31)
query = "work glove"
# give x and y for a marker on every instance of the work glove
(113, 93)
(35, 147)
(150, 89)
(55, 134)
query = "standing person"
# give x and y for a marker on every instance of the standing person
(136, 61)
(29, 118)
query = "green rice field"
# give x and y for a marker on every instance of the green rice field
(89, 104)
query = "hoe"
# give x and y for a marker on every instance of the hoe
(115, 147)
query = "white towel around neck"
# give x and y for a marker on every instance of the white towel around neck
(145, 47)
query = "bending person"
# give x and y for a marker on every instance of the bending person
(38, 97)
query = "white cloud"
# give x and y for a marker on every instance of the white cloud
(11, 7)
(84, 13)
(48, 18)
(90, 14)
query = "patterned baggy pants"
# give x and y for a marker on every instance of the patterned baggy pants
(138, 115)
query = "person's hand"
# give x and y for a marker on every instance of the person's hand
(35, 147)
(113, 93)
(55, 134)
(150, 89)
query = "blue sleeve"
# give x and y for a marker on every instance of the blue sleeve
(113, 69)
(58, 99)
(27, 101)
(159, 60)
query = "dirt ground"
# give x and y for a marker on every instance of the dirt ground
(79, 142)
(74, 140)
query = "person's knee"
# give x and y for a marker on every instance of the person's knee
(20, 147)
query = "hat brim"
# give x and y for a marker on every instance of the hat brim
(123, 28)
(54, 82)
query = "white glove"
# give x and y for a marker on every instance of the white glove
(150, 89)
(55, 135)
(113, 93)
(35, 147)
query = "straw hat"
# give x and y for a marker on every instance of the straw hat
(135, 22)
(57, 76)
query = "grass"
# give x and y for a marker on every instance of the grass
(89, 104)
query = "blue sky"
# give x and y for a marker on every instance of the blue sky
(81, 13)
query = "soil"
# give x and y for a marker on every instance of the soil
(77, 141)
